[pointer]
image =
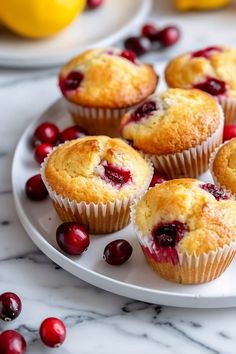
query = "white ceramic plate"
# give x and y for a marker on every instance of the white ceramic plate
(100, 27)
(133, 279)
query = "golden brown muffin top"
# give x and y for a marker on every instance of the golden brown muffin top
(104, 78)
(96, 169)
(211, 69)
(173, 121)
(224, 165)
(205, 222)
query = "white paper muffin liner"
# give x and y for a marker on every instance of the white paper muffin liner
(192, 268)
(229, 108)
(97, 121)
(100, 218)
(193, 161)
(211, 162)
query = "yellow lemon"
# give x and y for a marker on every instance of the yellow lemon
(39, 18)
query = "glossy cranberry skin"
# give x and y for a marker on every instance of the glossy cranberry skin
(93, 4)
(157, 179)
(46, 133)
(139, 45)
(149, 31)
(10, 306)
(212, 86)
(218, 193)
(74, 132)
(116, 174)
(72, 238)
(144, 110)
(168, 36)
(117, 252)
(41, 151)
(52, 332)
(35, 188)
(71, 82)
(206, 52)
(12, 342)
(229, 132)
(129, 55)
(169, 234)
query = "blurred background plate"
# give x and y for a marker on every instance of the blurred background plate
(87, 31)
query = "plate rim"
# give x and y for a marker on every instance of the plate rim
(99, 280)
(52, 61)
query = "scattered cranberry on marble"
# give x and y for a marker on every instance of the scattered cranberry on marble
(10, 306)
(72, 238)
(52, 332)
(46, 133)
(93, 4)
(71, 133)
(35, 188)
(117, 252)
(229, 132)
(41, 151)
(12, 342)
(152, 38)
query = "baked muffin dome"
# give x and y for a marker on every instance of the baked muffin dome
(224, 166)
(173, 121)
(185, 216)
(96, 169)
(107, 78)
(210, 69)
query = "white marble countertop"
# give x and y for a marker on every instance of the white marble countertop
(97, 321)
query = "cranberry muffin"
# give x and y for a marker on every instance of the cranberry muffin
(223, 166)
(187, 230)
(178, 129)
(93, 180)
(101, 84)
(210, 69)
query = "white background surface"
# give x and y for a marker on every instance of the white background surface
(98, 322)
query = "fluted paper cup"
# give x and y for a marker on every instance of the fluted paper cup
(97, 121)
(229, 108)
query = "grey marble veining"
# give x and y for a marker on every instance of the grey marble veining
(97, 321)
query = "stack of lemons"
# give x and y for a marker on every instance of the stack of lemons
(39, 18)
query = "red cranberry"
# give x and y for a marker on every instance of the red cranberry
(71, 82)
(52, 332)
(117, 252)
(46, 133)
(169, 234)
(218, 193)
(12, 342)
(35, 188)
(139, 45)
(117, 175)
(93, 4)
(149, 31)
(157, 179)
(71, 133)
(10, 306)
(129, 55)
(229, 132)
(72, 238)
(41, 151)
(212, 86)
(144, 110)
(168, 36)
(206, 52)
